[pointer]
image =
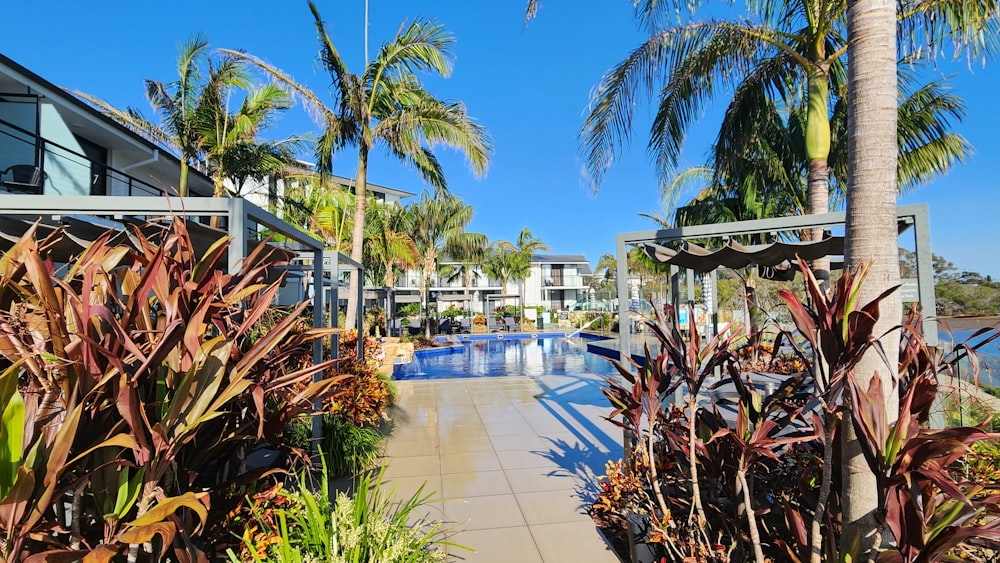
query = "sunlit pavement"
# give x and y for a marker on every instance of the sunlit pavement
(513, 462)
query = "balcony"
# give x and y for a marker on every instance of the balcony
(564, 280)
(31, 164)
(442, 283)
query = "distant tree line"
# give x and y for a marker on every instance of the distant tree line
(958, 292)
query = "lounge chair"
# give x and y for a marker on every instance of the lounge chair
(511, 325)
(491, 324)
(444, 327)
(465, 326)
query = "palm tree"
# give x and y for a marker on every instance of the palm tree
(525, 249)
(331, 209)
(386, 104)
(229, 141)
(196, 122)
(438, 228)
(500, 262)
(468, 263)
(871, 220)
(781, 46)
(387, 243)
(512, 261)
(607, 267)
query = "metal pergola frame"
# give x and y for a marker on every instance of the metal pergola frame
(908, 215)
(239, 215)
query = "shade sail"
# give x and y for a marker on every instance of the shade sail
(734, 255)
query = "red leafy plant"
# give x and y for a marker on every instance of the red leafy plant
(760, 478)
(927, 511)
(131, 387)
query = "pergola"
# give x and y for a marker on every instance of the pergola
(501, 297)
(697, 259)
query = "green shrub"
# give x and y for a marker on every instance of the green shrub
(299, 434)
(349, 449)
(392, 391)
(408, 310)
(368, 527)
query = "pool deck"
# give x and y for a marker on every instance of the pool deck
(513, 462)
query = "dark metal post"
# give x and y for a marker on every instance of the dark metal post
(317, 274)
(360, 272)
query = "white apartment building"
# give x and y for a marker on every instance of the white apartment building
(556, 281)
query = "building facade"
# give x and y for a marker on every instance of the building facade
(52, 143)
(555, 282)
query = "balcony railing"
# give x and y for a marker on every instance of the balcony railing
(30, 163)
(564, 281)
(439, 282)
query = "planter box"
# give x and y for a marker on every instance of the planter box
(639, 528)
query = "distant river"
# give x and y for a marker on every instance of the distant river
(989, 355)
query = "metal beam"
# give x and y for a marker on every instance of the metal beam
(621, 280)
(792, 223)
(925, 276)
(118, 206)
(915, 215)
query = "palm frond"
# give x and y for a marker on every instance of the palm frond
(314, 106)
(928, 28)
(131, 119)
(421, 46)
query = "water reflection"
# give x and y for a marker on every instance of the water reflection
(508, 357)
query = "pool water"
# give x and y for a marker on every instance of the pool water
(506, 358)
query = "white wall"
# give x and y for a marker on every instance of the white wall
(533, 294)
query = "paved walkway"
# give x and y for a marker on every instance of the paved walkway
(513, 460)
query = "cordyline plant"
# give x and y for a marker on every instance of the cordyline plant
(639, 409)
(762, 476)
(132, 392)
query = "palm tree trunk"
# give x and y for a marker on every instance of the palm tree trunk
(218, 191)
(428, 272)
(818, 152)
(358, 235)
(871, 224)
(423, 299)
(182, 186)
(819, 202)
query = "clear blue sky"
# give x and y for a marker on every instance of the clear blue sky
(528, 85)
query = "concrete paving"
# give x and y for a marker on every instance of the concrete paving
(513, 461)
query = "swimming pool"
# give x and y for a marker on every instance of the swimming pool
(522, 357)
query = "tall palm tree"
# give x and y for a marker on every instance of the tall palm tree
(469, 260)
(438, 228)
(387, 104)
(512, 261)
(196, 123)
(500, 262)
(607, 266)
(525, 248)
(871, 220)
(780, 46)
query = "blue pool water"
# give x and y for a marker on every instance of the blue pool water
(506, 358)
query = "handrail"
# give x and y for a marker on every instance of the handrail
(41, 145)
